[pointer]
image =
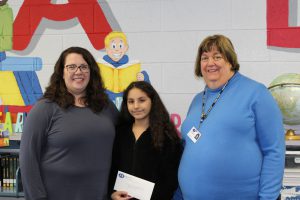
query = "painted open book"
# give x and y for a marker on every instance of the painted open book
(117, 79)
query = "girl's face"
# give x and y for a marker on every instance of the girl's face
(139, 104)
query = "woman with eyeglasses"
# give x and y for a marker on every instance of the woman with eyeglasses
(68, 135)
(233, 132)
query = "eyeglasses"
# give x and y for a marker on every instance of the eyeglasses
(215, 58)
(72, 68)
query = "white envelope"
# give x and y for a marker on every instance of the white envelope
(134, 186)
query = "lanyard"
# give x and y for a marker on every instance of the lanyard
(203, 114)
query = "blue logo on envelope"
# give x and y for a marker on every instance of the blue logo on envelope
(121, 175)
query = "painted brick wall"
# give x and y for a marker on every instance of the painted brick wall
(164, 36)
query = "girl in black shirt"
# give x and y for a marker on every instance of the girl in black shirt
(147, 144)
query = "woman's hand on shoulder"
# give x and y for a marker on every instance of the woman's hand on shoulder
(120, 195)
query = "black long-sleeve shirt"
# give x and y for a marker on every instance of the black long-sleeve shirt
(140, 158)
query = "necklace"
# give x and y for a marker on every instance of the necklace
(203, 114)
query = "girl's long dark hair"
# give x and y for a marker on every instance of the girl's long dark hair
(56, 91)
(159, 119)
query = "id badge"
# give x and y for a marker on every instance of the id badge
(194, 134)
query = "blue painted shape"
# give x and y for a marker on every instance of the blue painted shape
(21, 64)
(5, 109)
(2, 56)
(29, 86)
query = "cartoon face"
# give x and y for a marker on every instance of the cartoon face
(116, 49)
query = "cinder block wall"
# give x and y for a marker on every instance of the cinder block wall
(164, 36)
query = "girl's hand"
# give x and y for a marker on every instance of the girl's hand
(120, 195)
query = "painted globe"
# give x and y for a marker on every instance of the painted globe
(286, 91)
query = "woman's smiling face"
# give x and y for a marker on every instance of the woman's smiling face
(215, 70)
(76, 81)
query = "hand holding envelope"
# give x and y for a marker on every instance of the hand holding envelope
(120, 195)
(134, 186)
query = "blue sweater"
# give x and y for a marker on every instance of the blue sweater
(240, 154)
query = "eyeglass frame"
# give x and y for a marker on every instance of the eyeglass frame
(86, 70)
(215, 58)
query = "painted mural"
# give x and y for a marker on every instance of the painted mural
(19, 84)
(281, 30)
(166, 35)
(116, 68)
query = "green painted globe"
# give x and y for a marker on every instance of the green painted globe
(286, 91)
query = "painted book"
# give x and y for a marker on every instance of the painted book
(117, 79)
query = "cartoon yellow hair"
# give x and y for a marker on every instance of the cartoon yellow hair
(115, 34)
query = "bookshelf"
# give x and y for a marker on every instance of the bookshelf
(291, 177)
(11, 185)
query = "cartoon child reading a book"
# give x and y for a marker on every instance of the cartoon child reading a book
(116, 69)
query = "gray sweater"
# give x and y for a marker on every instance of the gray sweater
(66, 154)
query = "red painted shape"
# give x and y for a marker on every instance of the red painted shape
(176, 119)
(88, 12)
(14, 110)
(278, 31)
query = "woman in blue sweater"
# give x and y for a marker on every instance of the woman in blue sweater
(233, 132)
